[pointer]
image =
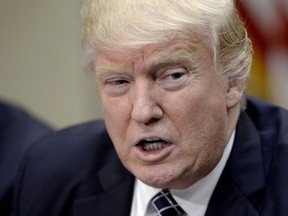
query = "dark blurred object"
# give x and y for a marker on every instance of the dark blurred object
(18, 130)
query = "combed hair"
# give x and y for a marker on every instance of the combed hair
(130, 24)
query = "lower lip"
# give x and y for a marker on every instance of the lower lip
(154, 155)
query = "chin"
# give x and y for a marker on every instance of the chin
(160, 179)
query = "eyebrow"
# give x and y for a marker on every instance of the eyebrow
(180, 56)
(106, 69)
(177, 57)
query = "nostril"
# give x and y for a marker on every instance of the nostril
(152, 121)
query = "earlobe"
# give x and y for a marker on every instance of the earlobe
(234, 93)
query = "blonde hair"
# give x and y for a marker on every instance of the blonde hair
(120, 24)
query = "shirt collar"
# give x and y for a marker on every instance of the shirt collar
(194, 200)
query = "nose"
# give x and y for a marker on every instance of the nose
(145, 107)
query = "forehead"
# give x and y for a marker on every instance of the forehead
(150, 55)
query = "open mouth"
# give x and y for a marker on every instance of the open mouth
(152, 144)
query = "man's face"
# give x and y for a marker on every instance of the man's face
(165, 111)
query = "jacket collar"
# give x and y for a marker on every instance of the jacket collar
(115, 195)
(243, 177)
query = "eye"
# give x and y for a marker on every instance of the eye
(177, 75)
(116, 86)
(173, 78)
(117, 82)
(173, 74)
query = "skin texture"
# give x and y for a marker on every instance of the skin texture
(170, 92)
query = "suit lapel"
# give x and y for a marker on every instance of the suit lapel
(116, 194)
(243, 176)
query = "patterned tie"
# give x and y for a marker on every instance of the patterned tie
(165, 205)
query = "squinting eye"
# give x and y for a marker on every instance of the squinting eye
(116, 86)
(177, 75)
(174, 78)
(118, 82)
(174, 74)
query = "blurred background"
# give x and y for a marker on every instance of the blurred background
(40, 61)
(40, 57)
(267, 23)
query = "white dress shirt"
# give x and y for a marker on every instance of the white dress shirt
(194, 200)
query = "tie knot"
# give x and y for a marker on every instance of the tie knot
(165, 204)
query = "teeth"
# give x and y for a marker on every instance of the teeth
(152, 139)
(153, 146)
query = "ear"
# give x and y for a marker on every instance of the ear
(234, 93)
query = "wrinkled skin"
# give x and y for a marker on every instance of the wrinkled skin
(170, 95)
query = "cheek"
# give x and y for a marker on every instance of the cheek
(206, 120)
(116, 126)
(202, 123)
(115, 109)
(116, 115)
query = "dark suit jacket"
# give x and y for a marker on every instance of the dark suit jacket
(17, 131)
(77, 172)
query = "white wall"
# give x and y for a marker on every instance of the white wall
(40, 61)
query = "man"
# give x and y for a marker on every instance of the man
(18, 130)
(171, 76)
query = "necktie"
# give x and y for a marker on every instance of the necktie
(165, 205)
